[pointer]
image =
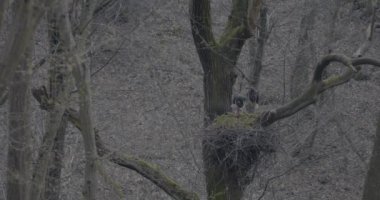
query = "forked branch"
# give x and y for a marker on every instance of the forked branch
(242, 22)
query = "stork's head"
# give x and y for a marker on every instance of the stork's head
(239, 101)
(237, 104)
(253, 95)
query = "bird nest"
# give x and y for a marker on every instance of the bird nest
(234, 146)
(231, 121)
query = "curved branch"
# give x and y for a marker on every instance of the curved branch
(317, 86)
(327, 60)
(152, 173)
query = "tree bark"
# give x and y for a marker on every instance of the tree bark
(53, 179)
(27, 17)
(256, 47)
(57, 50)
(372, 182)
(19, 149)
(58, 97)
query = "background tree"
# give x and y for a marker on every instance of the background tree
(147, 102)
(19, 149)
(16, 66)
(27, 16)
(372, 183)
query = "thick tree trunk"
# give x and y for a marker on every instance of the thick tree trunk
(372, 183)
(218, 59)
(19, 150)
(218, 82)
(221, 185)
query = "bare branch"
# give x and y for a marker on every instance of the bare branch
(317, 86)
(148, 171)
(152, 173)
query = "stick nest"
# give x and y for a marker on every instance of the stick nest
(234, 146)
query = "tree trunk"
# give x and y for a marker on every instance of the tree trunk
(53, 179)
(218, 83)
(372, 183)
(58, 97)
(83, 85)
(26, 19)
(221, 185)
(57, 49)
(82, 76)
(19, 149)
(218, 59)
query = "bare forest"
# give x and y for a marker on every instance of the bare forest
(190, 99)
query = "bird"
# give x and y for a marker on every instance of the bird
(237, 104)
(248, 103)
(253, 104)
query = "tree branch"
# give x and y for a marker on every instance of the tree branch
(152, 173)
(317, 86)
(200, 20)
(241, 22)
